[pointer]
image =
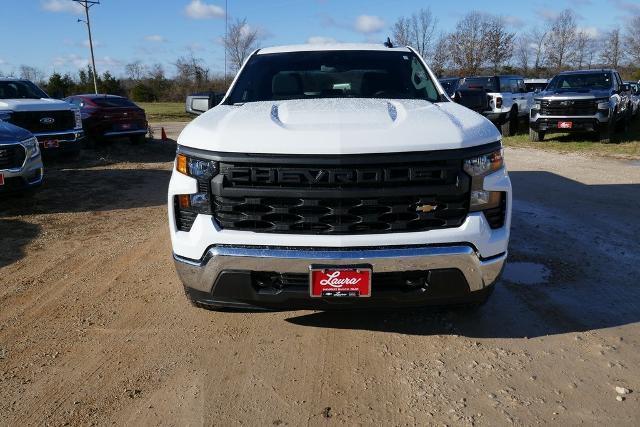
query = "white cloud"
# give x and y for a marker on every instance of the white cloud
(72, 59)
(66, 6)
(85, 43)
(200, 10)
(155, 38)
(368, 24)
(320, 40)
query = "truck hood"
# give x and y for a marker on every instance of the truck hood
(583, 94)
(11, 133)
(44, 104)
(338, 126)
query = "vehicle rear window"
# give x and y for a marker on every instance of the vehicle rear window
(113, 102)
(489, 84)
(581, 81)
(333, 74)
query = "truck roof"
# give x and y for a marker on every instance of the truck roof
(329, 46)
(601, 70)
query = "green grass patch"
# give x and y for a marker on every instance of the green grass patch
(625, 144)
(165, 111)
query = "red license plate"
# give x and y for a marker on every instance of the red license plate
(51, 143)
(340, 282)
(565, 125)
(1, 179)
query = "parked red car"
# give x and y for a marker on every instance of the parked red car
(110, 116)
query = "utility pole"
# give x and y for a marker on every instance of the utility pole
(87, 4)
(226, 34)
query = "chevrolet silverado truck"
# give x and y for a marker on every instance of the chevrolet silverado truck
(56, 124)
(507, 100)
(338, 176)
(594, 101)
(20, 160)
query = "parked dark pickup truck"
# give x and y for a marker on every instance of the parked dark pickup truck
(581, 101)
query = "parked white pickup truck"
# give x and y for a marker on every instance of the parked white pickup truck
(56, 124)
(338, 176)
(508, 101)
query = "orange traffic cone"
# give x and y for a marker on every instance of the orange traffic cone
(163, 135)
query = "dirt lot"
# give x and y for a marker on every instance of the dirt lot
(95, 329)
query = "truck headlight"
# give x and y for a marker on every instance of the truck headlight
(78, 117)
(196, 168)
(537, 105)
(31, 147)
(484, 164)
(603, 104)
(478, 167)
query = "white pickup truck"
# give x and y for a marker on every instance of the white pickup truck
(338, 176)
(508, 101)
(56, 124)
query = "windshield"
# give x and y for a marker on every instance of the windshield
(333, 74)
(20, 90)
(489, 84)
(581, 81)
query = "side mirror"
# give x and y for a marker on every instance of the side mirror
(625, 87)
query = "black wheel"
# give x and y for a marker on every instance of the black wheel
(510, 127)
(536, 136)
(138, 139)
(606, 135)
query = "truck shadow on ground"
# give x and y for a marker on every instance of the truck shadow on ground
(14, 236)
(116, 177)
(584, 237)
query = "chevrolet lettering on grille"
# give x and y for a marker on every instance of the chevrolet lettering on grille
(277, 176)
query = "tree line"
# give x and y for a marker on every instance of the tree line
(483, 43)
(479, 43)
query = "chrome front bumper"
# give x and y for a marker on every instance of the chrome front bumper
(201, 275)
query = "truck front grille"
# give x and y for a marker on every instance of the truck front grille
(580, 107)
(44, 121)
(323, 198)
(11, 156)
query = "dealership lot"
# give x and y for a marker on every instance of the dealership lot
(94, 326)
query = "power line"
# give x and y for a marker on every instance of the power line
(88, 4)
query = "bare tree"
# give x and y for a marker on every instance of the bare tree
(467, 43)
(633, 39)
(612, 51)
(441, 58)
(240, 41)
(135, 70)
(31, 73)
(523, 52)
(561, 38)
(416, 31)
(402, 32)
(538, 38)
(584, 48)
(498, 42)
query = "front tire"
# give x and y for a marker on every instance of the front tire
(536, 136)
(606, 135)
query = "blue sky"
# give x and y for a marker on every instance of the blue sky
(46, 34)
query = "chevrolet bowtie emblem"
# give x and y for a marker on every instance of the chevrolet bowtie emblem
(426, 208)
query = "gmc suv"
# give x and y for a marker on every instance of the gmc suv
(338, 176)
(56, 124)
(581, 101)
